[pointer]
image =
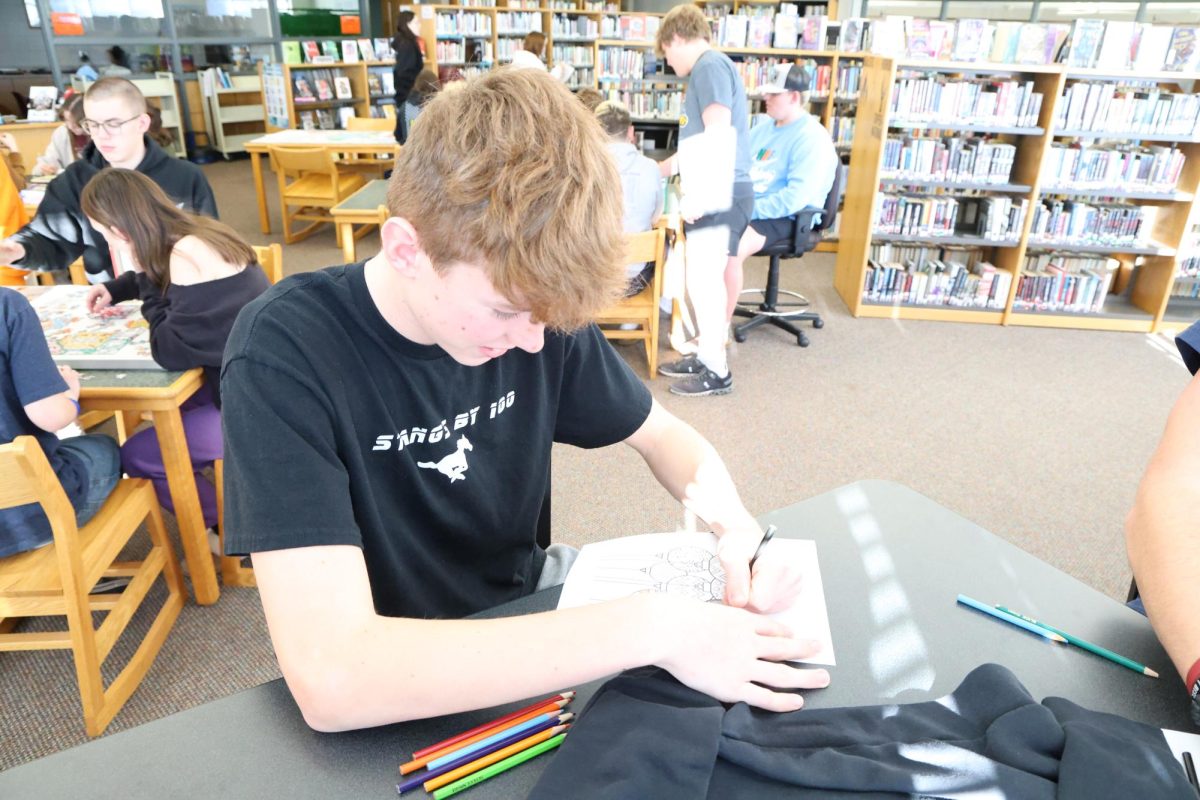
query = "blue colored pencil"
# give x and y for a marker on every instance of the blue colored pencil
(524, 727)
(421, 777)
(1009, 618)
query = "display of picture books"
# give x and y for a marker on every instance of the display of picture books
(1182, 54)
(303, 91)
(367, 50)
(41, 103)
(330, 48)
(972, 40)
(324, 87)
(1116, 48)
(341, 88)
(1084, 45)
(311, 51)
(850, 35)
(292, 53)
(349, 51)
(383, 50)
(307, 121)
(374, 84)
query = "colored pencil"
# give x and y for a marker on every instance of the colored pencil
(1129, 663)
(475, 747)
(496, 769)
(1010, 618)
(548, 708)
(486, 761)
(1189, 767)
(568, 696)
(758, 550)
(427, 775)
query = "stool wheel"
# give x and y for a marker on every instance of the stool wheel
(738, 336)
(818, 323)
(801, 340)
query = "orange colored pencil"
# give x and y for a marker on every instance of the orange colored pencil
(494, 724)
(416, 764)
(492, 758)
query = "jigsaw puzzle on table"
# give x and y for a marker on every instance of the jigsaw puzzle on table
(116, 338)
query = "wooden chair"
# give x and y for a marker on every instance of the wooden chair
(642, 308)
(78, 273)
(56, 580)
(370, 166)
(270, 258)
(310, 180)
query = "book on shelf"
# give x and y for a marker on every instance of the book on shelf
(302, 89)
(292, 53)
(1100, 107)
(389, 82)
(325, 119)
(850, 36)
(948, 159)
(307, 121)
(1117, 168)
(349, 51)
(733, 31)
(1084, 45)
(383, 49)
(972, 40)
(341, 88)
(1063, 223)
(367, 50)
(1152, 44)
(330, 48)
(888, 36)
(344, 115)
(941, 39)
(787, 31)
(925, 215)
(916, 38)
(374, 84)
(759, 32)
(1063, 282)
(1116, 48)
(813, 32)
(311, 50)
(324, 87)
(930, 275)
(938, 99)
(1182, 53)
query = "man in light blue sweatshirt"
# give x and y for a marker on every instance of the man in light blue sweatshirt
(793, 163)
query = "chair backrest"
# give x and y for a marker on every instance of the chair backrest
(27, 477)
(810, 224)
(295, 160)
(270, 258)
(644, 246)
(369, 124)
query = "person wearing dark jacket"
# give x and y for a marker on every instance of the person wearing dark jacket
(409, 62)
(193, 275)
(115, 116)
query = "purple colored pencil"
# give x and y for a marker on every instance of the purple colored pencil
(421, 777)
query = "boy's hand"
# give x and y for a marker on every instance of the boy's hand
(733, 654)
(97, 299)
(7, 141)
(11, 251)
(774, 583)
(72, 378)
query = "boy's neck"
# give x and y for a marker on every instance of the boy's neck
(387, 293)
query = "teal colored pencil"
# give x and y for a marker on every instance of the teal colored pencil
(498, 767)
(1011, 618)
(1086, 645)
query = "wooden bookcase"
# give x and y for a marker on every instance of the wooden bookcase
(1139, 298)
(232, 115)
(360, 101)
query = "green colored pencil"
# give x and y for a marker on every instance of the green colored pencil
(497, 768)
(1086, 645)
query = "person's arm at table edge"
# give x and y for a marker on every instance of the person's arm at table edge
(1162, 537)
(348, 667)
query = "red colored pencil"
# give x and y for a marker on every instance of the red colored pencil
(416, 764)
(494, 723)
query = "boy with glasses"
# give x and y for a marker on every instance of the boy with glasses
(115, 117)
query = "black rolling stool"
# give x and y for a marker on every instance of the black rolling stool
(810, 224)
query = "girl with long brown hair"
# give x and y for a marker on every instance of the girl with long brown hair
(193, 275)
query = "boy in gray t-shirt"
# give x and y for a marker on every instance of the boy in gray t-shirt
(717, 196)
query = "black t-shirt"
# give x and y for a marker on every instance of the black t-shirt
(338, 430)
(1188, 343)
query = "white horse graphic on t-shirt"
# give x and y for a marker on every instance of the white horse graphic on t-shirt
(454, 465)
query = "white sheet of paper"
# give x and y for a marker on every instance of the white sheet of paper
(686, 564)
(1181, 742)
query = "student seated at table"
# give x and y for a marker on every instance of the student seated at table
(116, 118)
(388, 427)
(66, 142)
(38, 398)
(193, 275)
(641, 185)
(1161, 534)
(793, 166)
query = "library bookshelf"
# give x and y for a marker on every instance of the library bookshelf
(361, 99)
(1139, 284)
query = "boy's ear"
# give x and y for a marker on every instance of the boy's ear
(401, 246)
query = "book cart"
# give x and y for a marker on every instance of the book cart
(1030, 265)
(233, 109)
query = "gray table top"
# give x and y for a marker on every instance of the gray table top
(892, 563)
(368, 198)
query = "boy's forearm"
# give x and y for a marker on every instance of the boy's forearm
(371, 674)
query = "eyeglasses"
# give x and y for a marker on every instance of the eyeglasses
(110, 126)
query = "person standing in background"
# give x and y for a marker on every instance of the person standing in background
(409, 62)
(86, 71)
(119, 63)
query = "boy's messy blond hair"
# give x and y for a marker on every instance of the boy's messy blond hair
(511, 173)
(687, 22)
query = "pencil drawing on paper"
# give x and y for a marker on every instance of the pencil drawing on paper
(688, 571)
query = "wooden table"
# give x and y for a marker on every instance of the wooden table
(356, 142)
(892, 562)
(31, 138)
(366, 206)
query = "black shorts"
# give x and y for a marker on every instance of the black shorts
(736, 217)
(776, 231)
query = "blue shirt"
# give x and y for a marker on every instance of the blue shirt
(1188, 343)
(87, 72)
(28, 374)
(792, 166)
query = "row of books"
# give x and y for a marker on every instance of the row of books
(842, 131)
(1113, 108)
(572, 54)
(505, 49)
(849, 77)
(937, 281)
(619, 62)
(462, 23)
(936, 98)
(311, 53)
(1118, 168)
(1187, 280)
(1075, 222)
(517, 22)
(320, 85)
(381, 83)
(647, 104)
(992, 218)
(325, 119)
(1054, 282)
(572, 26)
(954, 159)
(582, 77)
(1123, 45)
(629, 27)
(451, 51)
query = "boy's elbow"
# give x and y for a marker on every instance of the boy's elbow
(323, 702)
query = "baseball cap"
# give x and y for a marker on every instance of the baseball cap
(787, 78)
